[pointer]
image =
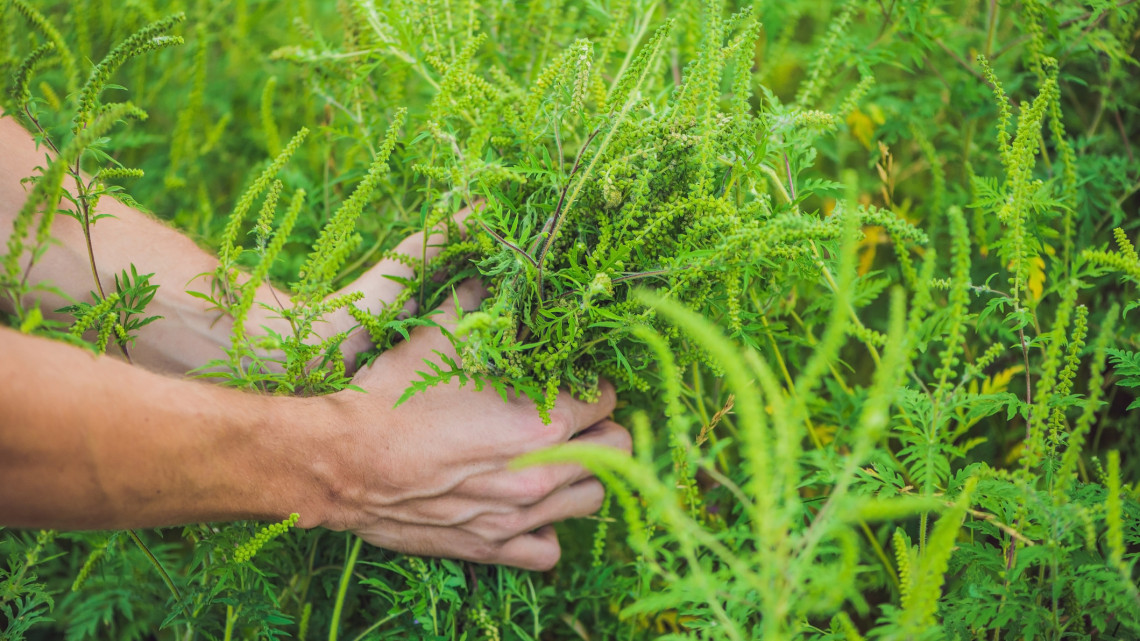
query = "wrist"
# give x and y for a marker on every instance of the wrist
(308, 450)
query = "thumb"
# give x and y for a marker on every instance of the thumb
(381, 284)
(466, 297)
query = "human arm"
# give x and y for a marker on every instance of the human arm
(88, 442)
(191, 333)
(92, 443)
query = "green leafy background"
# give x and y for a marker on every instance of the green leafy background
(879, 352)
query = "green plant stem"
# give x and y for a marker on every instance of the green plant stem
(374, 626)
(365, 258)
(819, 446)
(816, 441)
(992, 20)
(642, 29)
(812, 342)
(555, 223)
(880, 553)
(85, 220)
(157, 565)
(705, 418)
(342, 588)
(423, 245)
(231, 619)
(789, 198)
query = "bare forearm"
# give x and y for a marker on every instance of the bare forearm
(91, 442)
(191, 334)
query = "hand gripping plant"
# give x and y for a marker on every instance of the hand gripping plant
(676, 191)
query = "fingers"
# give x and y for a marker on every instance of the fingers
(413, 245)
(607, 432)
(523, 487)
(508, 516)
(531, 485)
(571, 415)
(379, 285)
(523, 539)
(530, 550)
(580, 499)
(538, 551)
(466, 297)
(500, 504)
(461, 216)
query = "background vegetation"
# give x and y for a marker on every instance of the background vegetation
(880, 359)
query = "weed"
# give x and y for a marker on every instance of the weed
(883, 404)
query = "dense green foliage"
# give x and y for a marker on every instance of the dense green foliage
(861, 271)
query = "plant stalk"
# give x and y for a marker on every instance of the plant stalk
(342, 589)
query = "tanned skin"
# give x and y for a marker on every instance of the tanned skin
(95, 443)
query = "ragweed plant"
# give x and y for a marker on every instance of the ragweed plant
(848, 264)
(110, 313)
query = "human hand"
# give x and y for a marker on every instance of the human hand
(431, 476)
(381, 285)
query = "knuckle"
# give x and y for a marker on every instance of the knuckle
(547, 558)
(454, 520)
(512, 524)
(597, 496)
(608, 397)
(533, 485)
(623, 440)
(483, 551)
(561, 423)
(534, 434)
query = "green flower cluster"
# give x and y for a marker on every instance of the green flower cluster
(150, 38)
(681, 195)
(250, 548)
